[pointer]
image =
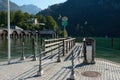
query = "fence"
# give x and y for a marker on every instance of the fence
(64, 44)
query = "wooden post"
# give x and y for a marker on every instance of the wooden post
(58, 60)
(63, 48)
(69, 45)
(66, 46)
(43, 45)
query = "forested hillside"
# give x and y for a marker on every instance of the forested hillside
(89, 17)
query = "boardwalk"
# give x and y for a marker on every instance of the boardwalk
(27, 70)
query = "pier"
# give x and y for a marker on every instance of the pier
(70, 67)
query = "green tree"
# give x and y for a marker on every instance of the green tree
(19, 18)
(12, 17)
(51, 23)
(3, 18)
(26, 16)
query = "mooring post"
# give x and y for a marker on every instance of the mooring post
(23, 43)
(34, 49)
(72, 76)
(58, 60)
(40, 71)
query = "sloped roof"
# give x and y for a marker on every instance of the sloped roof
(47, 32)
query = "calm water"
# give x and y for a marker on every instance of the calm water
(16, 48)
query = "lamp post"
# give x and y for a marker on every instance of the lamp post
(9, 49)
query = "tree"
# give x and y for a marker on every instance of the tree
(12, 17)
(3, 18)
(26, 16)
(19, 18)
(51, 23)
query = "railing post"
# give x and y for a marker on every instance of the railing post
(58, 60)
(66, 46)
(69, 45)
(63, 48)
(43, 45)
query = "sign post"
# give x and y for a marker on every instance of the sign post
(64, 23)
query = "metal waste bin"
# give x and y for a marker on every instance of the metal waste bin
(89, 50)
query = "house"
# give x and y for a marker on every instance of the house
(33, 21)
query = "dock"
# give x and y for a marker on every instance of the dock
(53, 70)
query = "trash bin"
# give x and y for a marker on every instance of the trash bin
(89, 50)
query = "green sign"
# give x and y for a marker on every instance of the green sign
(64, 23)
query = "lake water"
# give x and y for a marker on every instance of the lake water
(16, 48)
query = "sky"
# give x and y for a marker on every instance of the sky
(39, 3)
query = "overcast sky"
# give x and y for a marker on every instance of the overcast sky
(39, 3)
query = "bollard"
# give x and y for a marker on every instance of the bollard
(58, 60)
(22, 57)
(72, 76)
(40, 71)
(34, 44)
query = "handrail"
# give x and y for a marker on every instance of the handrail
(53, 44)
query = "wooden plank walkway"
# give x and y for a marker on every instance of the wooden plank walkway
(27, 69)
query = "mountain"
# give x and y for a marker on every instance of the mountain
(88, 17)
(3, 6)
(31, 9)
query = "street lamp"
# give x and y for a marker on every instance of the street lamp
(9, 49)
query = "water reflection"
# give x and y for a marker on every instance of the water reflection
(16, 47)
